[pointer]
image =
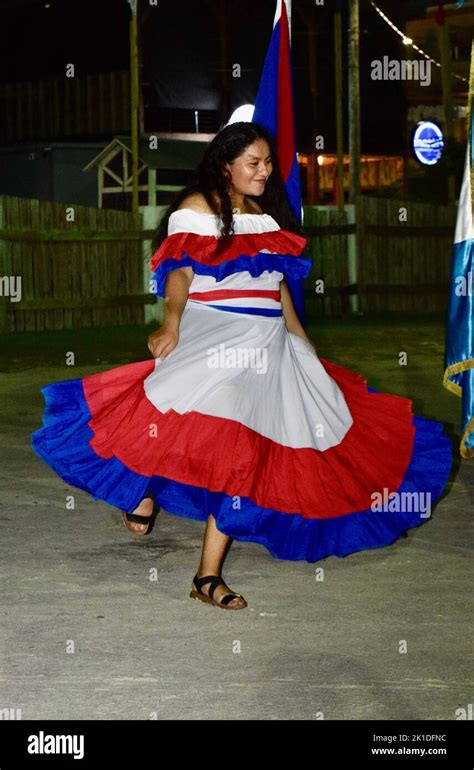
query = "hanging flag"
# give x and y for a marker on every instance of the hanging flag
(459, 352)
(274, 110)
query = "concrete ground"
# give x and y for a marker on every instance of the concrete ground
(86, 634)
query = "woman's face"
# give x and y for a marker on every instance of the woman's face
(250, 171)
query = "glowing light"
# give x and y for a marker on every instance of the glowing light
(244, 114)
(428, 143)
(408, 40)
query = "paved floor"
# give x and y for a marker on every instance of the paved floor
(88, 633)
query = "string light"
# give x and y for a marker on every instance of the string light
(408, 41)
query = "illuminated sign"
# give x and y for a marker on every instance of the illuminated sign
(427, 142)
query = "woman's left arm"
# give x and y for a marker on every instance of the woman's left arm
(292, 321)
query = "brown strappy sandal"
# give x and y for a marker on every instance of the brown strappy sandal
(135, 517)
(215, 581)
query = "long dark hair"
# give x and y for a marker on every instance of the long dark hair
(211, 177)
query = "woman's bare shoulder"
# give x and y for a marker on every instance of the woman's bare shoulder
(196, 202)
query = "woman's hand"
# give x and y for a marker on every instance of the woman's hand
(163, 340)
(292, 321)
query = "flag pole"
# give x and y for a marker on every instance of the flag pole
(354, 148)
(447, 95)
(288, 13)
(134, 104)
(339, 106)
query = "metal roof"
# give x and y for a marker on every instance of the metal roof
(171, 154)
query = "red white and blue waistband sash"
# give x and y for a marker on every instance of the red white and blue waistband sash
(252, 301)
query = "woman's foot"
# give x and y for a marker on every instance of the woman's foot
(144, 509)
(219, 592)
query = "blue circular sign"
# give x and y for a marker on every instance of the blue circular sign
(428, 142)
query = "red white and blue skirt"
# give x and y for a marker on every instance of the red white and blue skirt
(244, 421)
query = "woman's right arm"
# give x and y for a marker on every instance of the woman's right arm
(162, 341)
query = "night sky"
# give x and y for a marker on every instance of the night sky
(37, 42)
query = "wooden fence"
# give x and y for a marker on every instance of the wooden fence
(327, 231)
(90, 271)
(81, 273)
(403, 266)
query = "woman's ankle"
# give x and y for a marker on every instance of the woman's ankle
(208, 571)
